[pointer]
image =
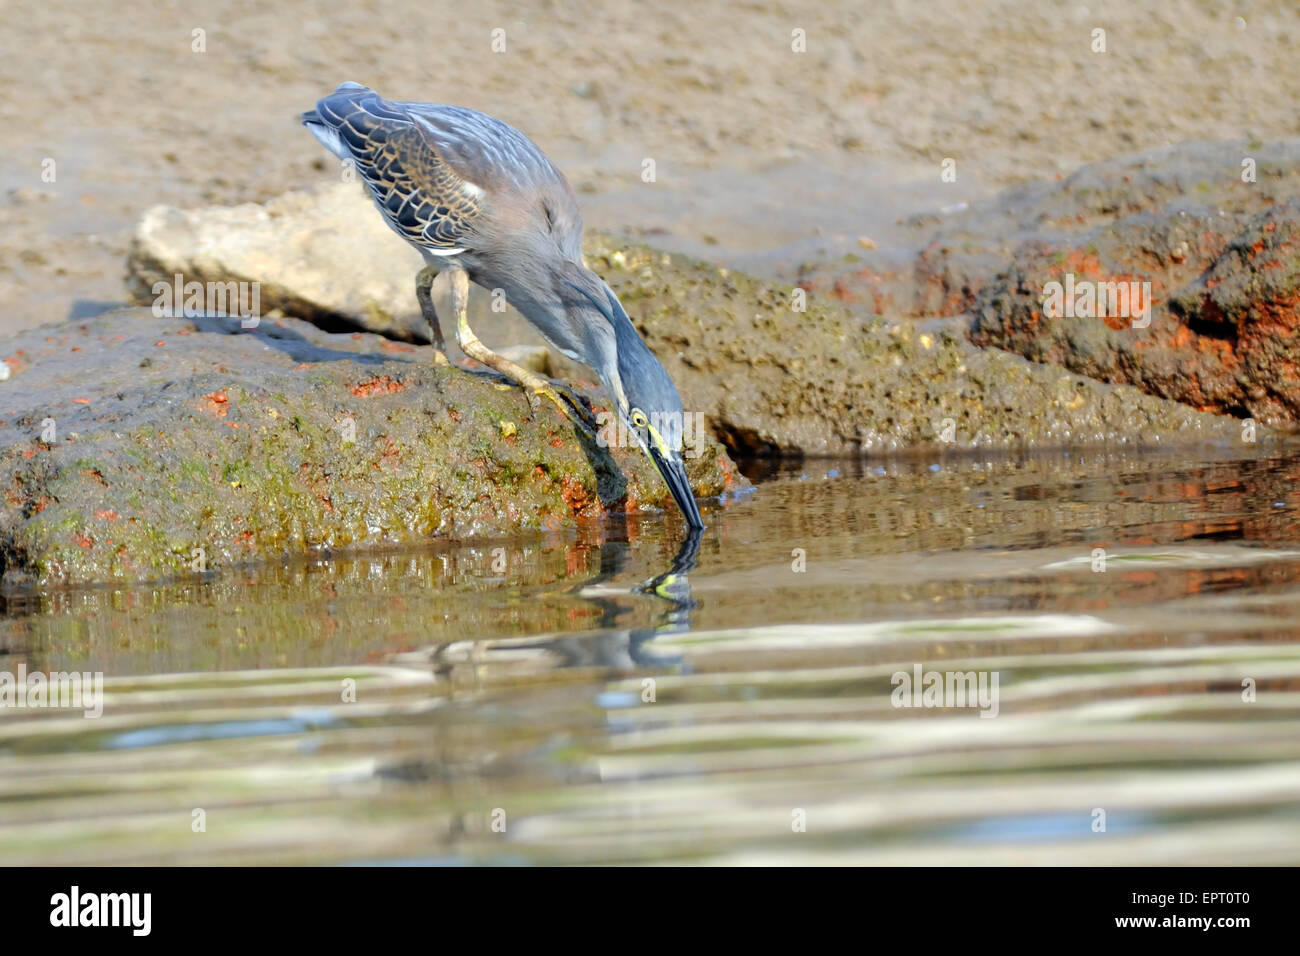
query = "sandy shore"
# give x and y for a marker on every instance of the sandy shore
(756, 147)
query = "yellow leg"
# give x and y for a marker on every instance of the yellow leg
(424, 294)
(566, 401)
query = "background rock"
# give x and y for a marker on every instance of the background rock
(1181, 205)
(1224, 331)
(824, 381)
(326, 258)
(1220, 255)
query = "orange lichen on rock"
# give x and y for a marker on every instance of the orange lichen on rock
(217, 404)
(379, 385)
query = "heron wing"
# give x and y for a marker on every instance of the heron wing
(525, 189)
(420, 193)
(483, 150)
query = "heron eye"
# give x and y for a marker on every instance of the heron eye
(639, 419)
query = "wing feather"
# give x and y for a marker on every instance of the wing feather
(431, 168)
(420, 195)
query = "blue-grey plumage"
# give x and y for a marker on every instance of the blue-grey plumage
(481, 201)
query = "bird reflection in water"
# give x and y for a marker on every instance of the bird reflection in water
(629, 648)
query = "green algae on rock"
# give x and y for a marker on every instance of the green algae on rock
(139, 448)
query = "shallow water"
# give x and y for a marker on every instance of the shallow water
(503, 707)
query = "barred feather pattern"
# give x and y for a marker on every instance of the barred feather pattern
(418, 192)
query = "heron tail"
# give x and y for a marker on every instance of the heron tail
(326, 121)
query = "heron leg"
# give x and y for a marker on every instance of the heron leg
(569, 404)
(424, 294)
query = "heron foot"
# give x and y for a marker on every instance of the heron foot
(534, 385)
(568, 402)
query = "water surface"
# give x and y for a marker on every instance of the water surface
(610, 696)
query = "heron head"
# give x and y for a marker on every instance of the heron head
(652, 411)
(645, 396)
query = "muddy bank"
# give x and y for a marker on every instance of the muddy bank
(773, 371)
(139, 448)
(1018, 94)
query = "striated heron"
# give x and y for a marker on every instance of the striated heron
(481, 202)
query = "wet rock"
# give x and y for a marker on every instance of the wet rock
(138, 448)
(767, 378)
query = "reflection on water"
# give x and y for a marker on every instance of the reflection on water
(608, 646)
(624, 695)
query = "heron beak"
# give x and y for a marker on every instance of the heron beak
(674, 476)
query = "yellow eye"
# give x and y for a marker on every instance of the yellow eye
(639, 419)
